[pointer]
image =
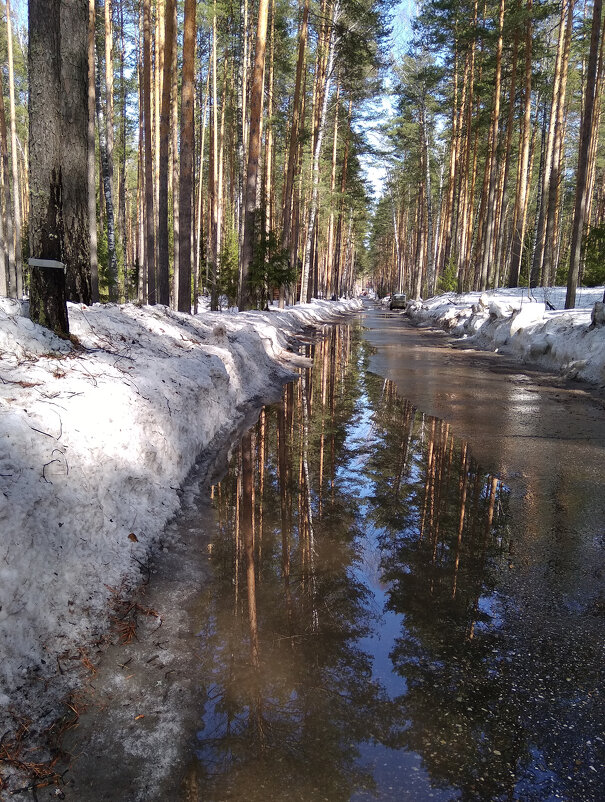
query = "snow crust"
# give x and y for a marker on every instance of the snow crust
(96, 440)
(530, 325)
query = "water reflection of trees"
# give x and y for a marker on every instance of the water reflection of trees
(291, 694)
(290, 690)
(498, 706)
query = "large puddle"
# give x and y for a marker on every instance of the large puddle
(372, 625)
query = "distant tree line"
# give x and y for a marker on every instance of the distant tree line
(496, 172)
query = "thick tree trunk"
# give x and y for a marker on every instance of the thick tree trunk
(174, 163)
(149, 201)
(91, 162)
(585, 144)
(122, 171)
(551, 202)
(430, 263)
(163, 244)
(47, 286)
(214, 254)
(74, 148)
(187, 157)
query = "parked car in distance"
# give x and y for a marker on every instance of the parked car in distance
(398, 300)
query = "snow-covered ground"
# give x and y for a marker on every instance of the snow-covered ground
(96, 439)
(530, 325)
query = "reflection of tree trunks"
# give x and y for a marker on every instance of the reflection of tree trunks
(246, 518)
(428, 484)
(307, 498)
(332, 402)
(282, 466)
(238, 495)
(261, 480)
(486, 532)
(325, 369)
(463, 489)
(406, 436)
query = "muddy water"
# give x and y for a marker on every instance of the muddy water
(367, 611)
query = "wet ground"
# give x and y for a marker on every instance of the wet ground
(395, 591)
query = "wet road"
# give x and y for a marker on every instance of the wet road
(396, 591)
(520, 422)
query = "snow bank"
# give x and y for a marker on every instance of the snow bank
(530, 325)
(96, 439)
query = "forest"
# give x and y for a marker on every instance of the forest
(162, 150)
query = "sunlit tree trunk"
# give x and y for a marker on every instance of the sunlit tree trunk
(586, 133)
(547, 154)
(551, 202)
(109, 142)
(165, 115)
(214, 254)
(487, 255)
(294, 143)
(186, 159)
(149, 201)
(501, 207)
(74, 149)
(112, 266)
(334, 17)
(256, 112)
(14, 155)
(521, 195)
(8, 275)
(174, 162)
(122, 225)
(246, 518)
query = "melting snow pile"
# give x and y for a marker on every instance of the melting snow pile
(531, 325)
(95, 441)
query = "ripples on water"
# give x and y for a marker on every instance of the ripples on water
(369, 631)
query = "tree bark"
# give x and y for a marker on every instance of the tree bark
(557, 154)
(520, 212)
(584, 150)
(256, 113)
(149, 201)
(163, 244)
(112, 263)
(91, 162)
(14, 155)
(186, 160)
(47, 286)
(8, 275)
(317, 152)
(295, 129)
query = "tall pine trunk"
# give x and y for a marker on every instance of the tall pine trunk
(14, 155)
(256, 112)
(149, 200)
(163, 244)
(112, 263)
(314, 204)
(521, 195)
(187, 157)
(585, 143)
